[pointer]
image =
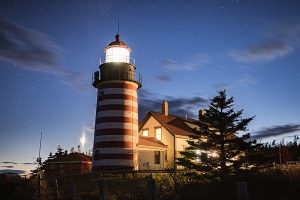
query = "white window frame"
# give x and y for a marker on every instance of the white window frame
(159, 137)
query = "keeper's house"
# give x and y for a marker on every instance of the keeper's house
(161, 138)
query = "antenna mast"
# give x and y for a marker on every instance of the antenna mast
(118, 25)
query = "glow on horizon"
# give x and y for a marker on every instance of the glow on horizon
(83, 139)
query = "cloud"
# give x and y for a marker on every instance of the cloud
(9, 162)
(276, 131)
(245, 82)
(34, 51)
(177, 105)
(8, 166)
(164, 78)
(194, 61)
(279, 41)
(16, 171)
(175, 65)
(242, 82)
(220, 86)
(265, 51)
(29, 163)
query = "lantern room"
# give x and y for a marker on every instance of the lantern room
(117, 51)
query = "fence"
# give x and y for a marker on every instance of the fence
(272, 184)
(106, 186)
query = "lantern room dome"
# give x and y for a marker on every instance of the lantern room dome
(117, 42)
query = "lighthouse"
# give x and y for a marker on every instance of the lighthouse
(116, 123)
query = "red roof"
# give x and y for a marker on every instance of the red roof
(150, 141)
(72, 157)
(176, 125)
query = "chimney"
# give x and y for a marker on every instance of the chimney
(201, 113)
(165, 109)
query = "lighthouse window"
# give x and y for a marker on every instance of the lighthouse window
(101, 95)
(158, 133)
(117, 54)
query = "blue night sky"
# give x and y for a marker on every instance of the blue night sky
(185, 51)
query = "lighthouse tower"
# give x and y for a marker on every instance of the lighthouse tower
(116, 124)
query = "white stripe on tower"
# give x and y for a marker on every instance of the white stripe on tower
(117, 113)
(118, 125)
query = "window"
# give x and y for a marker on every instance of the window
(146, 132)
(101, 95)
(158, 133)
(61, 171)
(157, 157)
(117, 54)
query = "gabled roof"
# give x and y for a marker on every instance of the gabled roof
(174, 124)
(151, 142)
(71, 157)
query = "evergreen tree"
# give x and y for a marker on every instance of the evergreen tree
(216, 150)
(59, 151)
(51, 156)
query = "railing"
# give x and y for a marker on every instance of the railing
(122, 59)
(121, 76)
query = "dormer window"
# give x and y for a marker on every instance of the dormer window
(146, 132)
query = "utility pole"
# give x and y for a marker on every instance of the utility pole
(39, 161)
(279, 151)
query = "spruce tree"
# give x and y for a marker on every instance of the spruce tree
(59, 152)
(216, 150)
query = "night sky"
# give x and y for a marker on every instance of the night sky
(185, 50)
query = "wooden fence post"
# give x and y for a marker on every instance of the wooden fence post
(57, 189)
(74, 193)
(151, 188)
(102, 189)
(242, 190)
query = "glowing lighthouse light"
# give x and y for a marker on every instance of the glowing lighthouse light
(117, 51)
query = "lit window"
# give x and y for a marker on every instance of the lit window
(145, 132)
(158, 133)
(157, 157)
(117, 54)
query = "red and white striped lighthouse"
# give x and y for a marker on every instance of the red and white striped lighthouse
(116, 124)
